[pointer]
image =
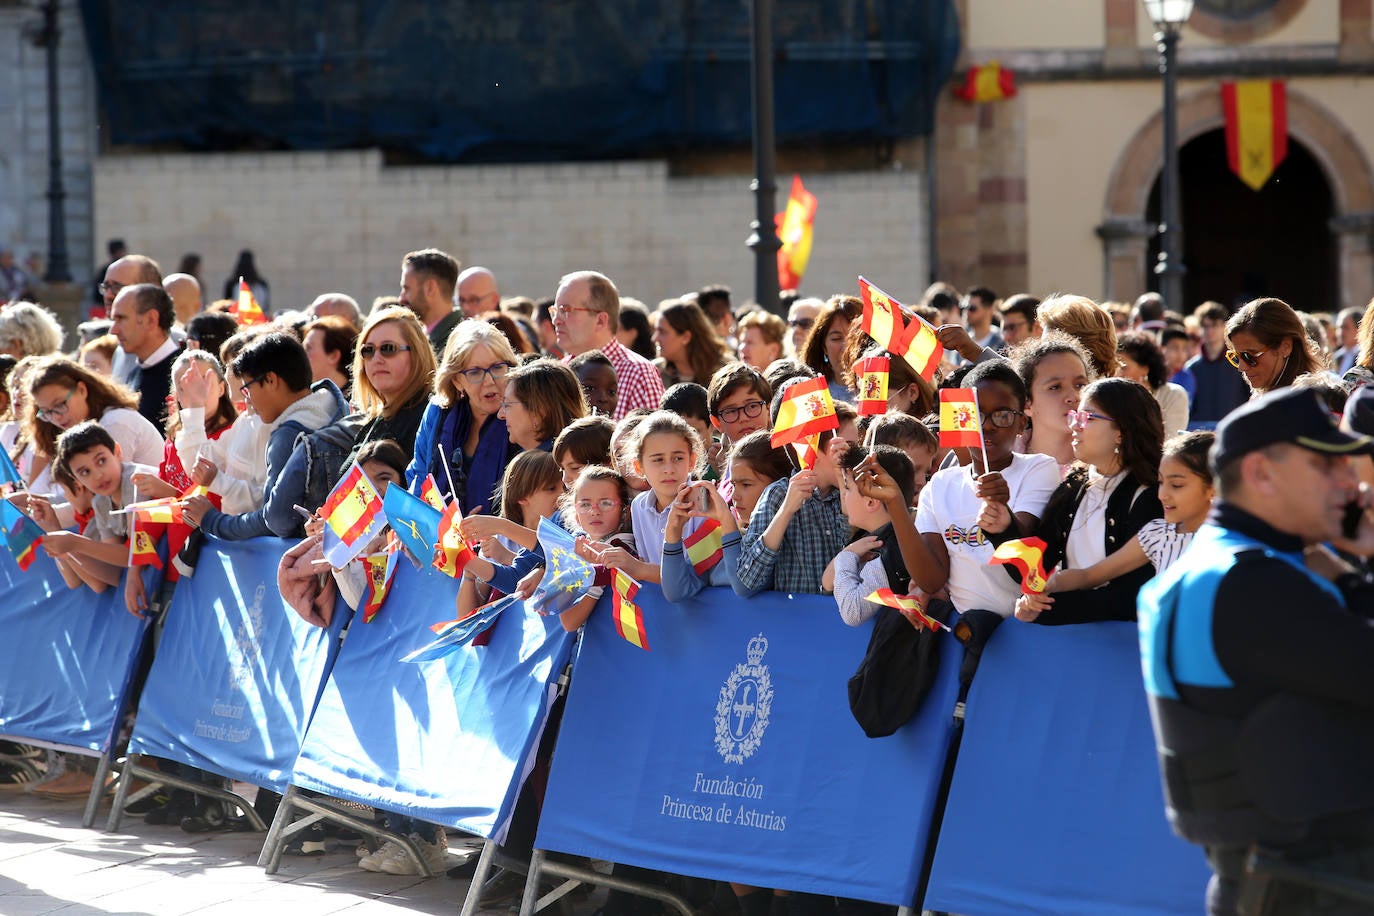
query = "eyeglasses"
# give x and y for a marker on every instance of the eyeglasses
(473, 300)
(57, 410)
(243, 389)
(556, 310)
(750, 410)
(803, 324)
(1001, 418)
(1081, 418)
(601, 505)
(474, 375)
(110, 286)
(1249, 357)
(367, 351)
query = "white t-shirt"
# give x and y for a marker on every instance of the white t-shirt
(138, 440)
(949, 508)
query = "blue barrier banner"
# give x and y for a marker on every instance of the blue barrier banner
(66, 659)
(729, 751)
(1056, 804)
(237, 671)
(448, 741)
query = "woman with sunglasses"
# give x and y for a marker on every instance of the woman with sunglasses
(462, 420)
(1267, 342)
(392, 369)
(1118, 440)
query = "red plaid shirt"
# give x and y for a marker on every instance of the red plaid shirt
(637, 380)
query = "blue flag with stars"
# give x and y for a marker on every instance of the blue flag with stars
(415, 522)
(566, 575)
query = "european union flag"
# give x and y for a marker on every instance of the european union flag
(415, 522)
(566, 575)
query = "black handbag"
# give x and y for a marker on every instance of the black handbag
(895, 675)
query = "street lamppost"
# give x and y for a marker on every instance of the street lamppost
(764, 237)
(1169, 17)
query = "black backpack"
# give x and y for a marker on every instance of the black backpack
(897, 672)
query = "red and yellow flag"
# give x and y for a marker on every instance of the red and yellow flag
(907, 604)
(1028, 556)
(452, 553)
(246, 310)
(882, 318)
(1256, 128)
(960, 426)
(921, 348)
(166, 511)
(704, 546)
(352, 506)
(142, 543)
(806, 411)
(871, 376)
(429, 492)
(629, 619)
(807, 453)
(381, 569)
(988, 83)
(795, 229)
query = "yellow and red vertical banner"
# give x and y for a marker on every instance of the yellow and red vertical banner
(990, 82)
(795, 230)
(143, 535)
(871, 377)
(1256, 128)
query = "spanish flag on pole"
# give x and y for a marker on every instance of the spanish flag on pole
(704, 546)
(807, 410)
(353, 516)
(795, 229)
(871, 376)
(629, 619)
(1256, 128)
(907, 604)
(988, 83)
(1027, 555)
(921, 348)
(882, 317)
(166, 511)
(959, 422)
(246, 310)
(429, 492)
(452, 554)
(381, 569)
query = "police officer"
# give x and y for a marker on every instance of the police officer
(1260, 671)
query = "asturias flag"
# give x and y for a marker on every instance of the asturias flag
(9, 474)
(1028, 556)
(871, 376)
(960, 426)
(806, 411)
(1256, 128)
(22, 534)
(414, 521)
(246, 309)
(795, 229)
(353, 516)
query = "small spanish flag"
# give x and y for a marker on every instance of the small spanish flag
(921, 348)
(988, 83)
(246, 310)
(452, 554)
(142, 543)
(1256, 114)
(1027, 555)
(871, 375)
(959, 423)
(353, 516)
(907, 604)
(806, 411)
(381, 569)
(166, 511)
(882, 318)
(629, 619)
(795, 227)
(807, 453)
(429, 492)
(703, 546)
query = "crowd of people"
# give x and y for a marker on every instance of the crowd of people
(631, 426)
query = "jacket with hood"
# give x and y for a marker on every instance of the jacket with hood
(322, 406)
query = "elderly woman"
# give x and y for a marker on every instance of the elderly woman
(462, 441)
(29, 330)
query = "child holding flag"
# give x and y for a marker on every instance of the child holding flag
(87, 453)
(873, 561)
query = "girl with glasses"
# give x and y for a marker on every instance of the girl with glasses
(462, 419)
(1267, 342)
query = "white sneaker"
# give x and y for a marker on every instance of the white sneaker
(434, 854)
(374, 861)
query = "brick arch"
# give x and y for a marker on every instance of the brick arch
(1342, 161)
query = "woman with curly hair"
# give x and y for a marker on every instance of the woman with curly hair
(1142, 361)
(1089, 323)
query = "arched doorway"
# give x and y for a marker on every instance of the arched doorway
(1239, 244)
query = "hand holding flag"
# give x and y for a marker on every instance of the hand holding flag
(961, 424)
(910, 607)
(1027, 555)
(806, 410)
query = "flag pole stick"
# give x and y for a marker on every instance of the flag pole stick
(448, 472)
(983, 444)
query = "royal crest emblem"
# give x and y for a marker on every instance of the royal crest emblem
(745, 702)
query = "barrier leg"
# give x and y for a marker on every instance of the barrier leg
(479, 877)
(102, 771)
(589, 876)
(274, 833)
(531, 894)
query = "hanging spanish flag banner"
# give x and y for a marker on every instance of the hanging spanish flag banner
(1256, 128)
(629, 619)
(882, 318)
(907, 604)
(704, 546)
(1028, 556)
(795, 230)
(987, 83)
(807, 410)
(959, 423)
(871, 377)
(245, 309)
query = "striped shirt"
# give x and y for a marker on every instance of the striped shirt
(1163, 543)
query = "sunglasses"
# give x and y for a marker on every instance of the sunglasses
(1249, 357)
(388, 350)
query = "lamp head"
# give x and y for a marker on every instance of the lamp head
(1169, 15)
